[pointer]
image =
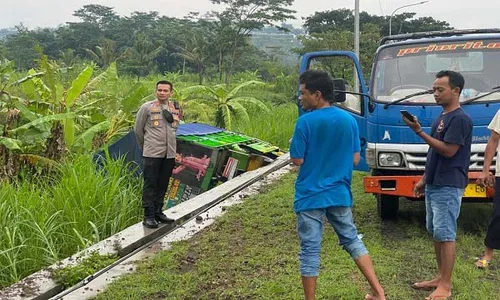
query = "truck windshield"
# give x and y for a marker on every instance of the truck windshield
(407, 69)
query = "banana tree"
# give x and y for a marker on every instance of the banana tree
(229, 106)
(123, 112)
(54, 105)
(10, 147)
(96, 105)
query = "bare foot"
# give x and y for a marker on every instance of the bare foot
(426, 285)
(374, 297)
(440, 293)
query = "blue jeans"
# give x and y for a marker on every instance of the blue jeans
(310, 231)
(442, 205)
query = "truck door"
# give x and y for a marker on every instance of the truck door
(345, 65)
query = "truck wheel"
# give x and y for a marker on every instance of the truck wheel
(388, 207)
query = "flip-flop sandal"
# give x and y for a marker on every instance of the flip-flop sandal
(417, 286)
(482, 263)
(442, 297)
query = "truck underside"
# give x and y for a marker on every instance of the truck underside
(388, 189)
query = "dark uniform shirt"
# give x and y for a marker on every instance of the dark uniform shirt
(454, 127)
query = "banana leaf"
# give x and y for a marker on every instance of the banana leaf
(43, 120)
(134, 96)
(109, 76)
(69, 131)
(34, 160)
(85, 139)
(78, 86)
(11, 144)
(24, 79)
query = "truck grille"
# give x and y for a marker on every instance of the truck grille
(416, 161)
(415, 155)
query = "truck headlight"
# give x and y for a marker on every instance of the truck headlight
(390, 160)
(370, 157)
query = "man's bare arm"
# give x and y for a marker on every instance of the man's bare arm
(357, 158)
(297, 161)
(445, 149)
(490, 150)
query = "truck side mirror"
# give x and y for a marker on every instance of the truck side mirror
(339, 89)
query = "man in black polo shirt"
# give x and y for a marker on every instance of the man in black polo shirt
(445, 176)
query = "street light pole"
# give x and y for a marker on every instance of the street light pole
(356, 27)
(356, 42)
(394, 11)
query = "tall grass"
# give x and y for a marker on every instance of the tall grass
(47, 219)
(275, 127)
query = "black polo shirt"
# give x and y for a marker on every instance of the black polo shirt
(454, 127)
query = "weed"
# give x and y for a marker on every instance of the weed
(71, 275)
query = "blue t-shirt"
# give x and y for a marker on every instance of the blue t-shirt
(454, 127)
(326, 139)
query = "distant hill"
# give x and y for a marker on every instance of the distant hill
(278, 44)
(4, 32)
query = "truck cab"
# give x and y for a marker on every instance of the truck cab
(402, 74)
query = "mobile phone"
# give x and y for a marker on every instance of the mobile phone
(407, 115)
(176, 105)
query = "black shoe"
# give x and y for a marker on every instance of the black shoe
(162, 218)
(150, 223)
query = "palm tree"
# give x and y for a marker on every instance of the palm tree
(105, 54)
(193, 111)
(141, 57)
(229, 106)
(196, 52)
(68, 58)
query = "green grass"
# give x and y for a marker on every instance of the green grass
(251, 253)
(46, 219)
(275, 127)
(71, 275)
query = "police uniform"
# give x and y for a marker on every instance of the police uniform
(156, 138)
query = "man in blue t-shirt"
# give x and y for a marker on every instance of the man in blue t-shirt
(445, 176)
(326, 145)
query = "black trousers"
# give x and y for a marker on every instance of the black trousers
(492, 239)
(157, 172)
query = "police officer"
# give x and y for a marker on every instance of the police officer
(155, 127)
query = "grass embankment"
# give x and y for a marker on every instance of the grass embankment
(251, 253)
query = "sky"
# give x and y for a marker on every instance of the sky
(51, 13)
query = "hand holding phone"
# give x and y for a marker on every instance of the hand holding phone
(411, 121)
(407, 115)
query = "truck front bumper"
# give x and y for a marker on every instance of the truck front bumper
(402, 186)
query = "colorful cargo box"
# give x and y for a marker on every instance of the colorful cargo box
(208, 156)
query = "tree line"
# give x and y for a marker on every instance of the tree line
(214, 46)
(146, 42)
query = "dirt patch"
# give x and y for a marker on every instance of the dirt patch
(25, 288)
(187, 263)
